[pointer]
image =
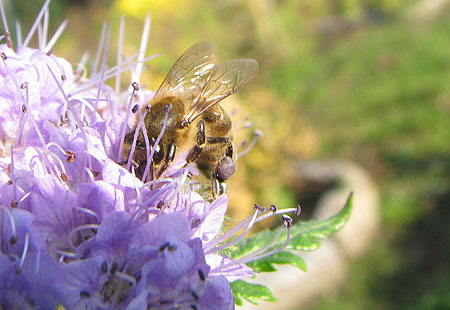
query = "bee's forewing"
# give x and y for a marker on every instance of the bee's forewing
(225, 79)
(189, 70)
(203, 84)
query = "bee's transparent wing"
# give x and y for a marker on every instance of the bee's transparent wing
(197, 79)
(223, 80)
(189, 70)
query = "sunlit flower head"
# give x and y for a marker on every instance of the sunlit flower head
(78, 229)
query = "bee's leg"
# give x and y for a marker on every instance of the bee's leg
(201, 141)
(169, 158)
(216, 140)
(218, 186)
(214, 186)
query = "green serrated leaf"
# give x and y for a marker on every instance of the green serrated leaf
(250, 245)
(306, 236)
(280, 258)
(253, 293)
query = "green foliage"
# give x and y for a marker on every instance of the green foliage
(307, 236)
(281, 258)
(250, 292)
(304, 236)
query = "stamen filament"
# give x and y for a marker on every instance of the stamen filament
(127, 278)
(44, 31)
(209, 247)
(90, 174)
(143, 47)
(133, 145)
(252, 143)
(11, 220)
(5, 25)
(147, 146)
(123, 128)
(88, 212)
(158, 139)
(103, 67)
(77, 121)
(38, 263)
(57, 146)
(110, 73)
(285, 244)
(35, 24)
(25, 250)
(278, 212)
(77, 229)
(99, 49)
(120, 52)
(65, 253)
(18, 33)
(55, 37)
(13, 175)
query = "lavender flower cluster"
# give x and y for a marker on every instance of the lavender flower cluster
(77, 229)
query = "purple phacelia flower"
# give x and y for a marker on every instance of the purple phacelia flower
(78, 229)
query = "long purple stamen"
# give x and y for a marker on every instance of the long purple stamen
(11, 219)
(5, 26)
(43, 43)
(247, 223)
(76, 230)
(143, 47)
(35, 24)
(27, 108)
(167, 109)
(18, 34)
(103, 68)
(13, 175)
(123, 127)
(69, 108)
(252, 143)
(24, 251)
(99, 49)
(119, 53)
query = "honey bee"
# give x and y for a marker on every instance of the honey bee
(186, 110)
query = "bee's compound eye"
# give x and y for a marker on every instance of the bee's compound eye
(158, 156)
(225, 168)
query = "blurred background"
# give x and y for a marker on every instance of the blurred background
(351, 94)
